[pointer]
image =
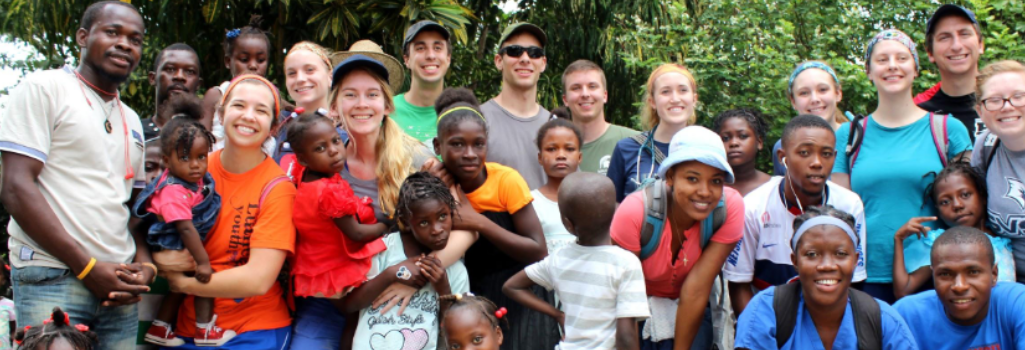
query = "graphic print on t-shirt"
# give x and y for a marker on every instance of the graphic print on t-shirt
(405, 339)
(1016, 191)
(243, 219)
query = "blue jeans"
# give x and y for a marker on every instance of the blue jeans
(37, 290)
(702, 341)
(318, 325)
(270, 339)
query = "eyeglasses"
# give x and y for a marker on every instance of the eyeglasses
(993, 104)
(517, 51)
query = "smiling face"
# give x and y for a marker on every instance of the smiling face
(956, 46)
(959, 202)
(521, 72)
(964, 279)
(815, 92)
(740, 141)
(321, 149)
(111, 48)
(674, 99)
(192, 166)
(809, 156)
(1007, 122)
(178, 73)
(466, 329)
(463, 149)
(429, 57)
(247, 114)
(249, 56)
(362, 102)
(825, 259)
(696, 187)
(307, 78)
(430, 220)
(893, 67)
(560, 152)
(585, 95)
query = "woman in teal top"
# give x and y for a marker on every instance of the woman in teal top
(897, 150)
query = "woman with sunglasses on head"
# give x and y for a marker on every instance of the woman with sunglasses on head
(670, 98)
(1000, 150)
(899, 144)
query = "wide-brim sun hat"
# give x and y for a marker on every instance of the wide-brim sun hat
(696, 143)
(396, 74)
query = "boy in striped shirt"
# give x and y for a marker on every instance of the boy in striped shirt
(600, 286)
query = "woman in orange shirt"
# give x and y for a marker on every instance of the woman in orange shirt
(254, 231)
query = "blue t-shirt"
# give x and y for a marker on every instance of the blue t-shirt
(918, 254)
(889, 175)
(756, 329)
(624, 169)
(1003, 328)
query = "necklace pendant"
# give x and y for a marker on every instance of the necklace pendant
(108, 127)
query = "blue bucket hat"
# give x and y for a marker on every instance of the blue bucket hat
(699, 144)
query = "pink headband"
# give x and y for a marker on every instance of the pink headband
(244, 77)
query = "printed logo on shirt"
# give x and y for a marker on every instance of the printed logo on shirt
(603, 164)
(1016, 191)
(735, 254)
(979, 127)
(400, 340)
(1012, 225)
(995, 346)
(769, 245)
(241, 231)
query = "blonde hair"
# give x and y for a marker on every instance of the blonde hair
(393, 145)
(993, 69)
(649, 116)
(838, 116)
(313, 47)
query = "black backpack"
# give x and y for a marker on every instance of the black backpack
(989, 149)
(867, 317)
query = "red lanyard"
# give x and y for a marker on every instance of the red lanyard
(129, 172)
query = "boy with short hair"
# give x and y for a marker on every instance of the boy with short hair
(601, 286)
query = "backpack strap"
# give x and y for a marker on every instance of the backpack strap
(989, 149)
(270, 186)
(859, 123)
(868, 323)
(643, 139)
(654, 217)
(713, 222)
(938, 126)
(784, 303)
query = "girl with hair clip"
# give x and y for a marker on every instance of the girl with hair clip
(496, 202)
(813, 88)
(680, 272)
(473, 322)
(379, 155)
(56, 333)
(890, 151)
(247, 50)
(248, 243)
(670, 99)
(824, 311)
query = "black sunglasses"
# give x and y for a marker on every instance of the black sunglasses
(517, 51)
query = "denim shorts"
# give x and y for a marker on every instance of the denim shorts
(318, 325)
(37, 290)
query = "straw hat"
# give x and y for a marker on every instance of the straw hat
(396, 74)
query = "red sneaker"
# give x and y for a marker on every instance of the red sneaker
(213, 335)
(163, 336)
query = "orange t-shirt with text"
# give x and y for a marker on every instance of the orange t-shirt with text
(243, 224)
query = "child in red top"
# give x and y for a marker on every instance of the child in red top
(338, 234)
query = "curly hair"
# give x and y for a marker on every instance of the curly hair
(251, 29)
(755, 120)
(180, 134)
(481, 304)
(42, 336)
(457, 97)
(295, 135)
(973, 174)
(826, 209)
(558, 123)
(420, 186)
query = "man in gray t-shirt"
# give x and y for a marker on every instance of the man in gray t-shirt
(1005, 182)
(514, 116)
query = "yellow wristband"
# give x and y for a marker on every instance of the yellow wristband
(155, 271)
(88, 268)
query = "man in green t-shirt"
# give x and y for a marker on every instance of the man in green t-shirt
(584, 93)
(427, 52)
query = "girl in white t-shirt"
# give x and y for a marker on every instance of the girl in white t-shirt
(558, 142)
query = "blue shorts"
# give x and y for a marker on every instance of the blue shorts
(270, 339)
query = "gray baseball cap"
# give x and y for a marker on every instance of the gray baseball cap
(418, 27)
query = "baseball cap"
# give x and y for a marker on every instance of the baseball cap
(947, 10)
(699, 144)
(418, 27)
(521, 27)
(356, 61)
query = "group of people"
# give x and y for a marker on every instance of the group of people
(344, 216)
